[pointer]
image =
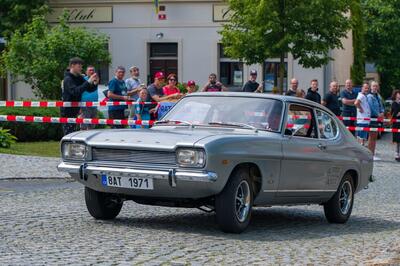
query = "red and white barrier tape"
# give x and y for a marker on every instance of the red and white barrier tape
(352, 119)
(125, 122)
(45, 104)
(66, 120)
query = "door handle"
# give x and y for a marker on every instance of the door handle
(321, 147)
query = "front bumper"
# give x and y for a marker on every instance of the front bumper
(168, 183)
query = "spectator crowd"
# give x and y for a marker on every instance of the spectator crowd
(366, 104)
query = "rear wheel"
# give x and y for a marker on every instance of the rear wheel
(234, 204)
(102, 206)
(338, 209)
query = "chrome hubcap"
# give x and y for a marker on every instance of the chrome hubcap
(242, 201)
(345, 197)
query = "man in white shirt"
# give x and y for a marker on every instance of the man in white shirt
(133, 84)
(363, 113)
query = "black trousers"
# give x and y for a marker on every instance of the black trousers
(117, 114)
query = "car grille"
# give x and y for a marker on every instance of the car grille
(134, 156)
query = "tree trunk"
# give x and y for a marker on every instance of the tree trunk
(281, 73)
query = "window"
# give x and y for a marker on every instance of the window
(230, 70)
(271, 76)
(301, 122)
(163, 50)
(326, 125)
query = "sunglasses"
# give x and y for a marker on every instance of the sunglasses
(172, 79)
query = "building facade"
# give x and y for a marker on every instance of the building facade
(182, 38)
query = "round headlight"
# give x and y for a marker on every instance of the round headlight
(191, 158)
(74, 151)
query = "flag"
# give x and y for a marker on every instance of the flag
(156, 5)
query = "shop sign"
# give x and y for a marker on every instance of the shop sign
(221, 13)
(82, 14)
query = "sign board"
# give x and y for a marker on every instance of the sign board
(164, 108)
(221, 13)
(82, 14)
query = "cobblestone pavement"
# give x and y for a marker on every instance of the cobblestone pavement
(46, 222)
(29, 167)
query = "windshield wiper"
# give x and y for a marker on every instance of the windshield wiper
(176, 122)
(242, 125)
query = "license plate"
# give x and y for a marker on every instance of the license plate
(127, 182)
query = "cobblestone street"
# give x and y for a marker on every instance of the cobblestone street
(46, 222)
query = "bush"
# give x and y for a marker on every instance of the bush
(33, 131)
(36, 131)
(6, 139)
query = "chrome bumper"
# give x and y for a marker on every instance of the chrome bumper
(172, 175)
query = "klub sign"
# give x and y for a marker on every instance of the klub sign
(82, 14)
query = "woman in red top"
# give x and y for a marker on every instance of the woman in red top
(171, 87)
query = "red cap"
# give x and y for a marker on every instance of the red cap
(159, 75)
(191, 83)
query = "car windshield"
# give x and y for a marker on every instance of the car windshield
(225, 111)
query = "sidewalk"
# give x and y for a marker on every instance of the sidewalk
(23, 167)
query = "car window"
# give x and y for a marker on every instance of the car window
(327, 126)
(261, 113)
(301, 122)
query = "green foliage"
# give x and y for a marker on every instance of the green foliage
(36, 131)
(32, 131)
(40, 56)
(16, 14)
(308, 29)
(358, 27)
(182, 87)
(383, 40)
(6, 139)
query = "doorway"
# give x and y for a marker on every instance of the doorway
(163, 57)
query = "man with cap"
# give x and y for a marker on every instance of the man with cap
(252, 85)
(156, 92)
(191, 86)
(73, 86)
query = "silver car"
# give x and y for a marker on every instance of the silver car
(223, 152)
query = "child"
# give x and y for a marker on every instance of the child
(191, 86)
(143, 111)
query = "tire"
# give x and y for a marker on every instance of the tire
(102, 206)
(234, 204)
(338, 209)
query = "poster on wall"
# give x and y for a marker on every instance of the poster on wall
(269, 82)
(237, 78)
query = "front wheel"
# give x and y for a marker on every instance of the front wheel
(102, 206)
(338, 208)
(234, 204)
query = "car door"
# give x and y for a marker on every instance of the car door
(334, 148)
(303, 169)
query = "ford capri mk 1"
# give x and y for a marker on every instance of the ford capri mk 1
(223, 152)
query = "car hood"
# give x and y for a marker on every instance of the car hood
(160, 138)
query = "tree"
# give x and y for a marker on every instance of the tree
(40, 56)
(308, 29)
(358, 29)
(16, 14)
(383, 40)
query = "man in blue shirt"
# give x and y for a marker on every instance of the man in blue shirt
(117, 91)
(349, 96)
(89, 112)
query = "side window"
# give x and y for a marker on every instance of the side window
(326, 125)
(301, 122)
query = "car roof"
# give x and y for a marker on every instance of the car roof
(283, 98)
